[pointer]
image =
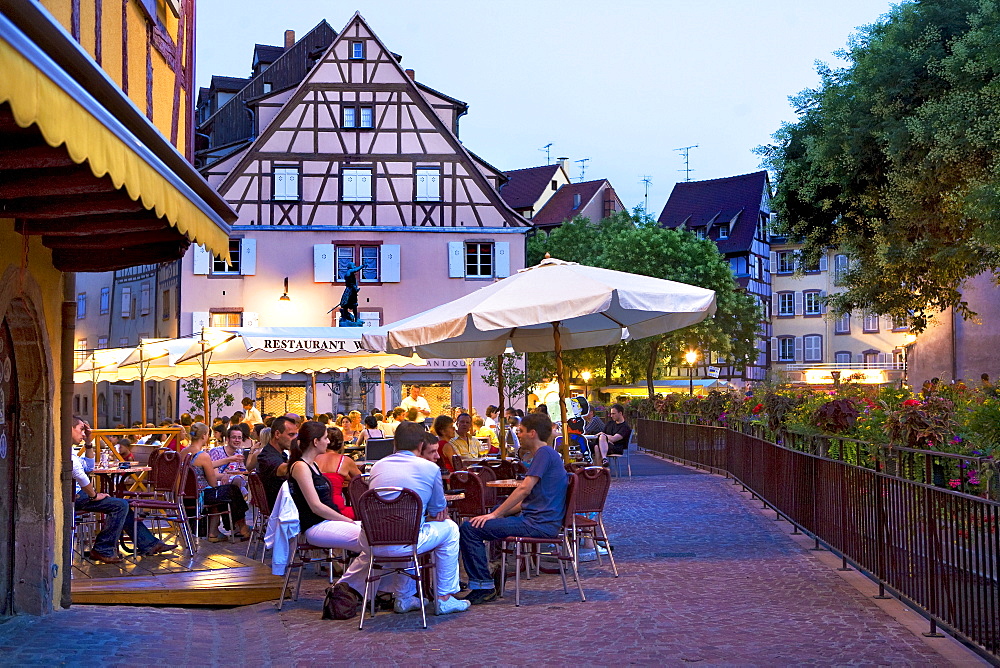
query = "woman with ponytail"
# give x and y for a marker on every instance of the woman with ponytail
(214, 486)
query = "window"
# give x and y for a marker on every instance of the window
(267, 87)
(220, 266)
(786, 262)
(144, 300)
(102, 342)
(357, 185)
(555, 186)
(842, 357)
(738, 265)
(428, 185)
(812, 348)
(900, 324)
(724, 231)
(105, 300)
(225, 319)
(478, 260)
(358, 117)
(357, 50)
(786, 349)
(81, 349)
(870, 323)
(350, 117)
(81, 306)
(699, 232)
(842, 325)
(786, 304)
(367, 117)
(813, 303)
(286, 184)
(369, 261)
(577, 200)
(839, 269)
(166, 305)
(872, 356)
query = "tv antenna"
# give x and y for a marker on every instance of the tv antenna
(548, 153)
(645, 207)
(687, 160)
(583, 167)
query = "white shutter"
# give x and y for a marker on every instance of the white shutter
(434, 186)
(389, 262)
(861, 358)
(798, 348)
(884, 358)
(823, 266)
(199, 319)
(126, 302)
(364, 181)
(202, 261)
(248, 257)
(501, 259)
(251, 319)
(798, 303)
(774, 349)
(775, 304)
(370, 318)
(456, 259)
(278, 184)
(292, 183)
(349, 185)
(323, 263)
(773, 268)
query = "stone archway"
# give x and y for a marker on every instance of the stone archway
(31, 444)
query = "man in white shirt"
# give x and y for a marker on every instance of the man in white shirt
(389, 426)
(250, 413)
(415, 400)
(118, 513)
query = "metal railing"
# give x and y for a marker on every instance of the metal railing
(937, 549)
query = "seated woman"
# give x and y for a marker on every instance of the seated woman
(338, 468)
(371, 430)
(444, 429)
(356, 425)
(214, 486)
(345, 426)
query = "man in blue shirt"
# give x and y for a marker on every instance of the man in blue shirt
(534, 509)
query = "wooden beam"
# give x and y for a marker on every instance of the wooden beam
(75, 180)
(79, 226)
(69, 206)
(33, 156)
(113, 240)
(67, 259)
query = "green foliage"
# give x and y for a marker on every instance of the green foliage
(218, 394)
(980, 422)
(518, 378)
(837, 416)
(927, 424)
(896, 160)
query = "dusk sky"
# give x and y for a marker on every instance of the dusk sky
(622, 83)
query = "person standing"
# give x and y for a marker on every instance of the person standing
(250, 413)
(416, 400)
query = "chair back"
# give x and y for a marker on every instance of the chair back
(571, 509)
(519, 468)
(504, 470)
(474, 503)
(486, 474)
(185, 484)
(258, 495)
(377, 448)
(357, 487)
(592, 485)
(165, 465)
(390, 516)
(457, 462)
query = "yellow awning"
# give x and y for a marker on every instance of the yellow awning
(39, 92)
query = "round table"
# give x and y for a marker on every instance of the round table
(503, 483)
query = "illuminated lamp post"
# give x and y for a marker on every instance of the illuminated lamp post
(691, 357)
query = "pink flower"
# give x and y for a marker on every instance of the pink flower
(954, 483)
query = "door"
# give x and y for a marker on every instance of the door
(8, 468)
(278, 398)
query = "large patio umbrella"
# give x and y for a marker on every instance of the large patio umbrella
(553, 306)
(104, 360)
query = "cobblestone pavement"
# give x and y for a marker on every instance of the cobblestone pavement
(705, 579)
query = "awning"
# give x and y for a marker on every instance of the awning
(44, 97)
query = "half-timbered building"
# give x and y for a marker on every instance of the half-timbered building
(357, 163)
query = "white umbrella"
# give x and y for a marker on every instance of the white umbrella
(553, 306)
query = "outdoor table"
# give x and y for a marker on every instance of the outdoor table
(454, 497)
(116, 476)
(503, 483)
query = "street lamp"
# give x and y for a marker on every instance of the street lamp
(585, 375)
(691, 357)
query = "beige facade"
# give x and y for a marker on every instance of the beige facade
(809, 345)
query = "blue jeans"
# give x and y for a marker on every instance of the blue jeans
(474, 557)
(118, 518)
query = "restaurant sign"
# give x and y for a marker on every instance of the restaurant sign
(307, 345)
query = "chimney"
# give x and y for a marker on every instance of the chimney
(289, 39)
(564, 161)
(412, 75)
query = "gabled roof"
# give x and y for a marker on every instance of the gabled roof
(265, 54)
(560, 207)
(734, 199)
(228, 84)
(525, 186)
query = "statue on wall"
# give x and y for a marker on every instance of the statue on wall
(349, 301)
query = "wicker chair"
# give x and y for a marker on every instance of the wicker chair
(592, 485)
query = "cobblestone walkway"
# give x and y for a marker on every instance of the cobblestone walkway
(706, 579)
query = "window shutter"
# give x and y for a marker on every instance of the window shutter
(291, 184)
(323, 263)
(278, 183)
(364, 181)
(248, 257)
(798, 303)
(456, 259)
(887, 323)
(501, 259)
(371, 318)
(251, 319)
(798, 348)
(775, 304)
(773, 262)
(199, 319)
(883, 358)
(126, 302)
(389, 261)
(823, 265)
(822, 301)
(202, 261)
(861, 358)
(349, 186)
(774, 349)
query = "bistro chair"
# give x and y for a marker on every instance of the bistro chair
(520, 547)
(357, 487)
(486, 474)
(160, 482)
(171, 509)
(457, 462)
(474, 503)
(261, 514)
(592, 485)
(393, 522)
(203, 511)
(302, 554)
(616, 459)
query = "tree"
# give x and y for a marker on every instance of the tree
(218, 394)
(895, 159)
(637, 244)
(518, 377)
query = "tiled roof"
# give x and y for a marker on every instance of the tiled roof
(228, 84)
(527, 185)
(266, 54)
(560, 207)
(733, 199)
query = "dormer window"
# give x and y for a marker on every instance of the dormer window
(699, 232)
(555, 186)
(357, 50)
(576, 201)
(724, 231)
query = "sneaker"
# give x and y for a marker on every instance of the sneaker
(477, 596)
(450, 605)
(159, 548)
(406, 604)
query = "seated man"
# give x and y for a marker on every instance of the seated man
(117, 511)
(614, 439)
(410, 467)
(534, 509)
(270, 460)
(464, 443)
